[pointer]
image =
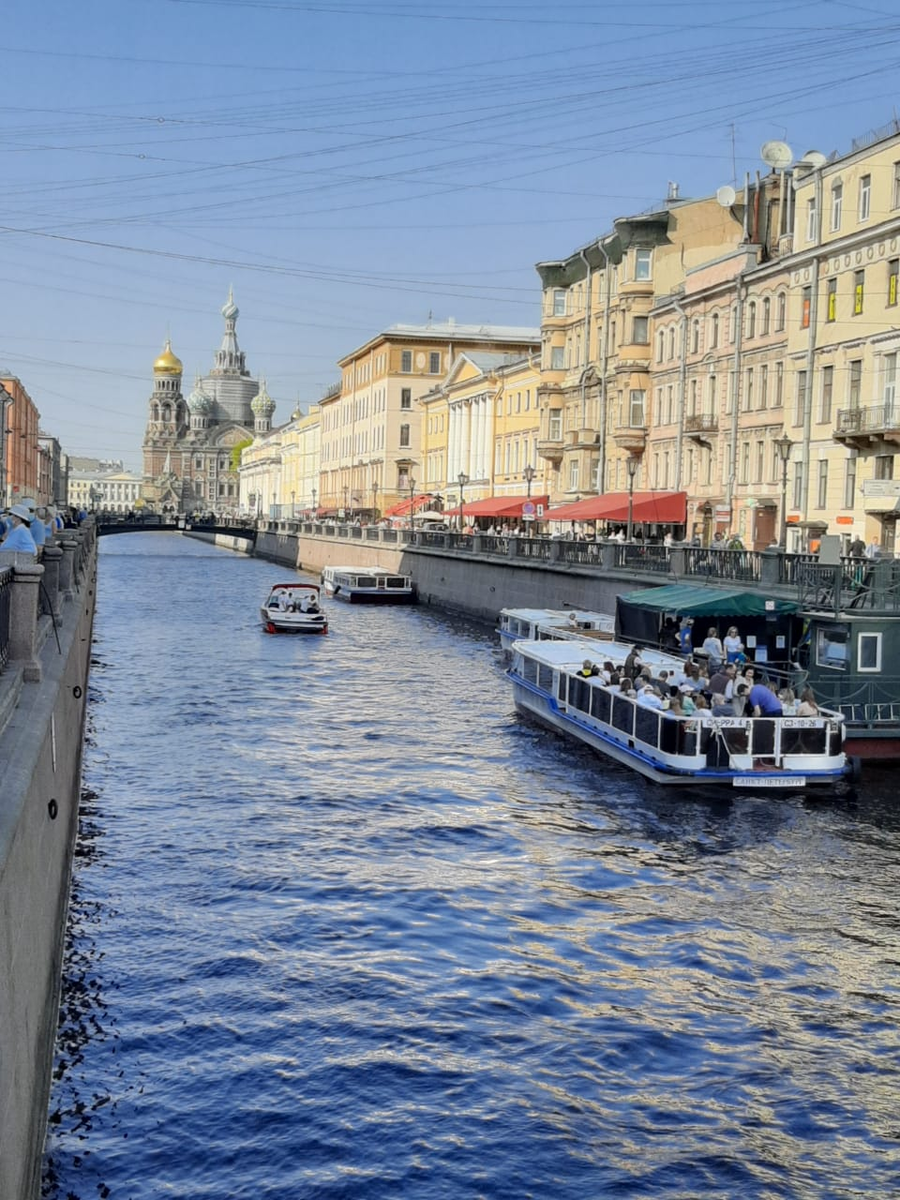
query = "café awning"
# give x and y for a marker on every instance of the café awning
(688, 600)
(402, 507)
(499, 506)
(648, 508)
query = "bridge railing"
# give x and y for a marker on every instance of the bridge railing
(6, 579)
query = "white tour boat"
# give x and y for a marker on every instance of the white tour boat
(537, 624)
(368, 585)
(294, 608)
(752, 752)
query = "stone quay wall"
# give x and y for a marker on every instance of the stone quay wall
(43, 692)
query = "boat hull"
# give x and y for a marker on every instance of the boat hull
(291, 623)
(351, 596)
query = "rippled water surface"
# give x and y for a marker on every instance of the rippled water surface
(344, 926)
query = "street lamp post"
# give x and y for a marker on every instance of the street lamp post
(374, 502)
(528, 472)
(632, 464)
(274, 510)
(345, 490)
(412, 498)
(293, 505)
(462, 479)
(783, 447)
(314, 513)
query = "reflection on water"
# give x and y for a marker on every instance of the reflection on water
(343, 926)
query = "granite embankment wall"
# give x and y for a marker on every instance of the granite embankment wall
(478, 586)
(43, 690)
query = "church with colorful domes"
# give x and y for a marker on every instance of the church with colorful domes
(188, 443)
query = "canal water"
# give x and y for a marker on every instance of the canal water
(343, 926)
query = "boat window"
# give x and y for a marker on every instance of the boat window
(803, 737)
(529, 669)
(545, 678)
(580, 694)
(622, 714)
(561, 687)
(868, 652)
(396, 581)
(831, 647)
(601, 702)
(366, 581)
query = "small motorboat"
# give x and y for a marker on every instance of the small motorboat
(294, 608)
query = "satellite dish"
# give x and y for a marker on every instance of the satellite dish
(726, 196)
(814, 158)
(777, 155)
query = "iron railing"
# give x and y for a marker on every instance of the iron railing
(6, 578)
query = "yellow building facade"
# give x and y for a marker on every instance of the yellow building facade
(371, 438)
(482, 422)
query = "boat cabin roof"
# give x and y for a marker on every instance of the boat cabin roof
(563, 616)
(295, 587)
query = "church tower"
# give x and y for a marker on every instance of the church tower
(166, 422)
(263, 406)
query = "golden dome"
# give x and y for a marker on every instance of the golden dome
(168, 363)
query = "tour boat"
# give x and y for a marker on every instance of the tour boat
(537, 624)
(742, 752)
(368, 585)
(294, 608)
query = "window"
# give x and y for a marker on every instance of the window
(670, 405)
(712, 394)
(831, 300)
(859, 287)
(643, 264)
(555, 425)
(748, 390)
(636, 408)
(766, 317)
(822, 484)
(557, 358)
(811, 215)
(798, 485)
(868, 652)
(760, 462)
(827, 394)
(695, 337)
(895, 191)
(559, 302)
(573, 475)
(671, 341)
(751, 319)
(406, 397)
(660, 346)
(893, 270)
(800, 398)
(406, 362)
(884, 466)
(854, 383)
(831, 647)
(714, 331)
(806, 304)
(850, 483)
(763, 386)
(837, 204)
(404, 435)
(732, 324)
(434, 362)
(889, 393)
(781, 313)
(745, 462)
(640, 330)
(693, 400)
(865, 197)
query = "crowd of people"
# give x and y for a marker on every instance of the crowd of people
(26, 525)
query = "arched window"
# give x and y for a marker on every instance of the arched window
(781, 316)
(660, 345)
(766, 316)
(751, 319)
(167, 413)
(154, 414)
(714, 331)
(695, 337)
(671, 341)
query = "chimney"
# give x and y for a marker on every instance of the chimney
(673, 191)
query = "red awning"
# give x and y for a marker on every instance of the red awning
(401, 508)
(498, 506)
(650, 508)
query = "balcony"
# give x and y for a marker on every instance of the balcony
(631, 439)
(581, 439)
(881, 496)
(865, 427)
(551, 448)
(700, 427)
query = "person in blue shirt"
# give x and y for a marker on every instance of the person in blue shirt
(764, 701)
(685, 639)
(19, 538)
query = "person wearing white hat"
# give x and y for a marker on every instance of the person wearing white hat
(37, 525)
(19, 538)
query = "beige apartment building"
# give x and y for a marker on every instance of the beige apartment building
(844, 341)
(371, 445)
(481, 423)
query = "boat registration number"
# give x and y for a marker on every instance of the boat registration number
(773, 781)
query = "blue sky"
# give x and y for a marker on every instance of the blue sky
(348, 164)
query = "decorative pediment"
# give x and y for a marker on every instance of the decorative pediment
(227, 436)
